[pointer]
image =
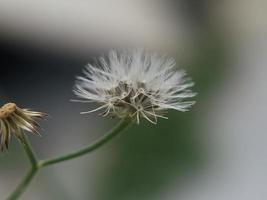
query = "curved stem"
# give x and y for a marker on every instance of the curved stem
(34, 168)
(38, 165)
(98, 143)
(28, 150)
(23, 185)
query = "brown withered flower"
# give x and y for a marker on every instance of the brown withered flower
(14, 120)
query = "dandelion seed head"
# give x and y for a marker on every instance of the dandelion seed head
(135, 83)
(14, 120)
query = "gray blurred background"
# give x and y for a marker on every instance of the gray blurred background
(217, 151)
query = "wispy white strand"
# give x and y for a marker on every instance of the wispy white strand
(135, 83)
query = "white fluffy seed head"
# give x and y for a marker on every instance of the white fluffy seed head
(135, 83)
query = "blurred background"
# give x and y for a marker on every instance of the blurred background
(217, 151)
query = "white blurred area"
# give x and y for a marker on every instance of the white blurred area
(82, 25)
(235, 117)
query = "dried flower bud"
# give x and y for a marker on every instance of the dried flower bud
(13, 120)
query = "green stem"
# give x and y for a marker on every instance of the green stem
(38, 165)
(28, 150)
(23, 185)
(98, 143)
(34, 168)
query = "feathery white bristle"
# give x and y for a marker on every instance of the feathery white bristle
(135, 83)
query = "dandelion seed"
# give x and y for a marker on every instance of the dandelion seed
(14, 120)
(136, 84)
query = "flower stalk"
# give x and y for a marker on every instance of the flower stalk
(32, 172)
(37, 165)
(98, 143)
